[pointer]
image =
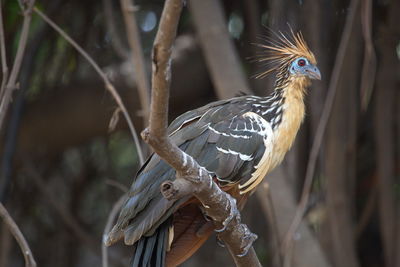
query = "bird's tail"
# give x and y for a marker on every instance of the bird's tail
(150, 250)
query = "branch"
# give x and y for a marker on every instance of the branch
(305, 251)
(267, 207)
(13, 227)
(10, 85)
(132, 31)
(369, 64)
(319, 135)
(107, 82)
(3, 55)
(116, 42)
(110, 219)
(191, 177)
(218, 47)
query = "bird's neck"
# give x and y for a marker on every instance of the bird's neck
(288, 115)
(285, 104)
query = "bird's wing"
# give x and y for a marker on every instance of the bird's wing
(225, 137)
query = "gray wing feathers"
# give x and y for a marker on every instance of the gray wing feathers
(146, 219)
(218, 136)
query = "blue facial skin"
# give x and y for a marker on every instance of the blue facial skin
(302, 67)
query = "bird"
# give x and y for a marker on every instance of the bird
(238, 141)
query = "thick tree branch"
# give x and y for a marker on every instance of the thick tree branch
(191, 177)
(13, 227)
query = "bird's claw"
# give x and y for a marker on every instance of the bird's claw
(247, 242)
(233, 212)
(220, 242)
(220, 230)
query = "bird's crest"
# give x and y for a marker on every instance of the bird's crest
(282, 51)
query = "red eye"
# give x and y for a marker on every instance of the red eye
(301, 62)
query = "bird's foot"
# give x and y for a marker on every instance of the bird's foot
(234, 212)
(220, 242)
(247, 241)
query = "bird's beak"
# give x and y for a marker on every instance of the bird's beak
(313, 72)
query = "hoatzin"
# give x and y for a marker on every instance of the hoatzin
(238, 141)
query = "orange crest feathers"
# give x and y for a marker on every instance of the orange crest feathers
(283, 51)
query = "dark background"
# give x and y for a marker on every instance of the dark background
(62, 169)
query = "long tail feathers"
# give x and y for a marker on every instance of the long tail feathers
(150, 250)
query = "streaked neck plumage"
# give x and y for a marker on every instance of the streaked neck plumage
(293, 110)
(283, 111)
(284, 104)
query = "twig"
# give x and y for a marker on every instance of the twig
(368, 210)
(191, 178)
(3, 55)
(132, 32)
(369, 64)
(333, 83)
(107, 82)
(11, 83)
(6, 242)
(16, 232)
(267, 207)
(116, 43)
(111, 217)
(219, 50)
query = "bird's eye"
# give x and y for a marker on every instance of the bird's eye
(301, 62)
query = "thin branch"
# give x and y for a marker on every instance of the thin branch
(6, 242)
(16, 232)
(107, 82)
(11, 83)
(265, 200)
(368, 210)
(116, 43)
(111, 217)
(191, 177)
(369, 64)
(218, 47)
(333, 84)
(133, 34)
(3, 55)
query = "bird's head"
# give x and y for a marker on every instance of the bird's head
(302, 66)
(290, 57)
